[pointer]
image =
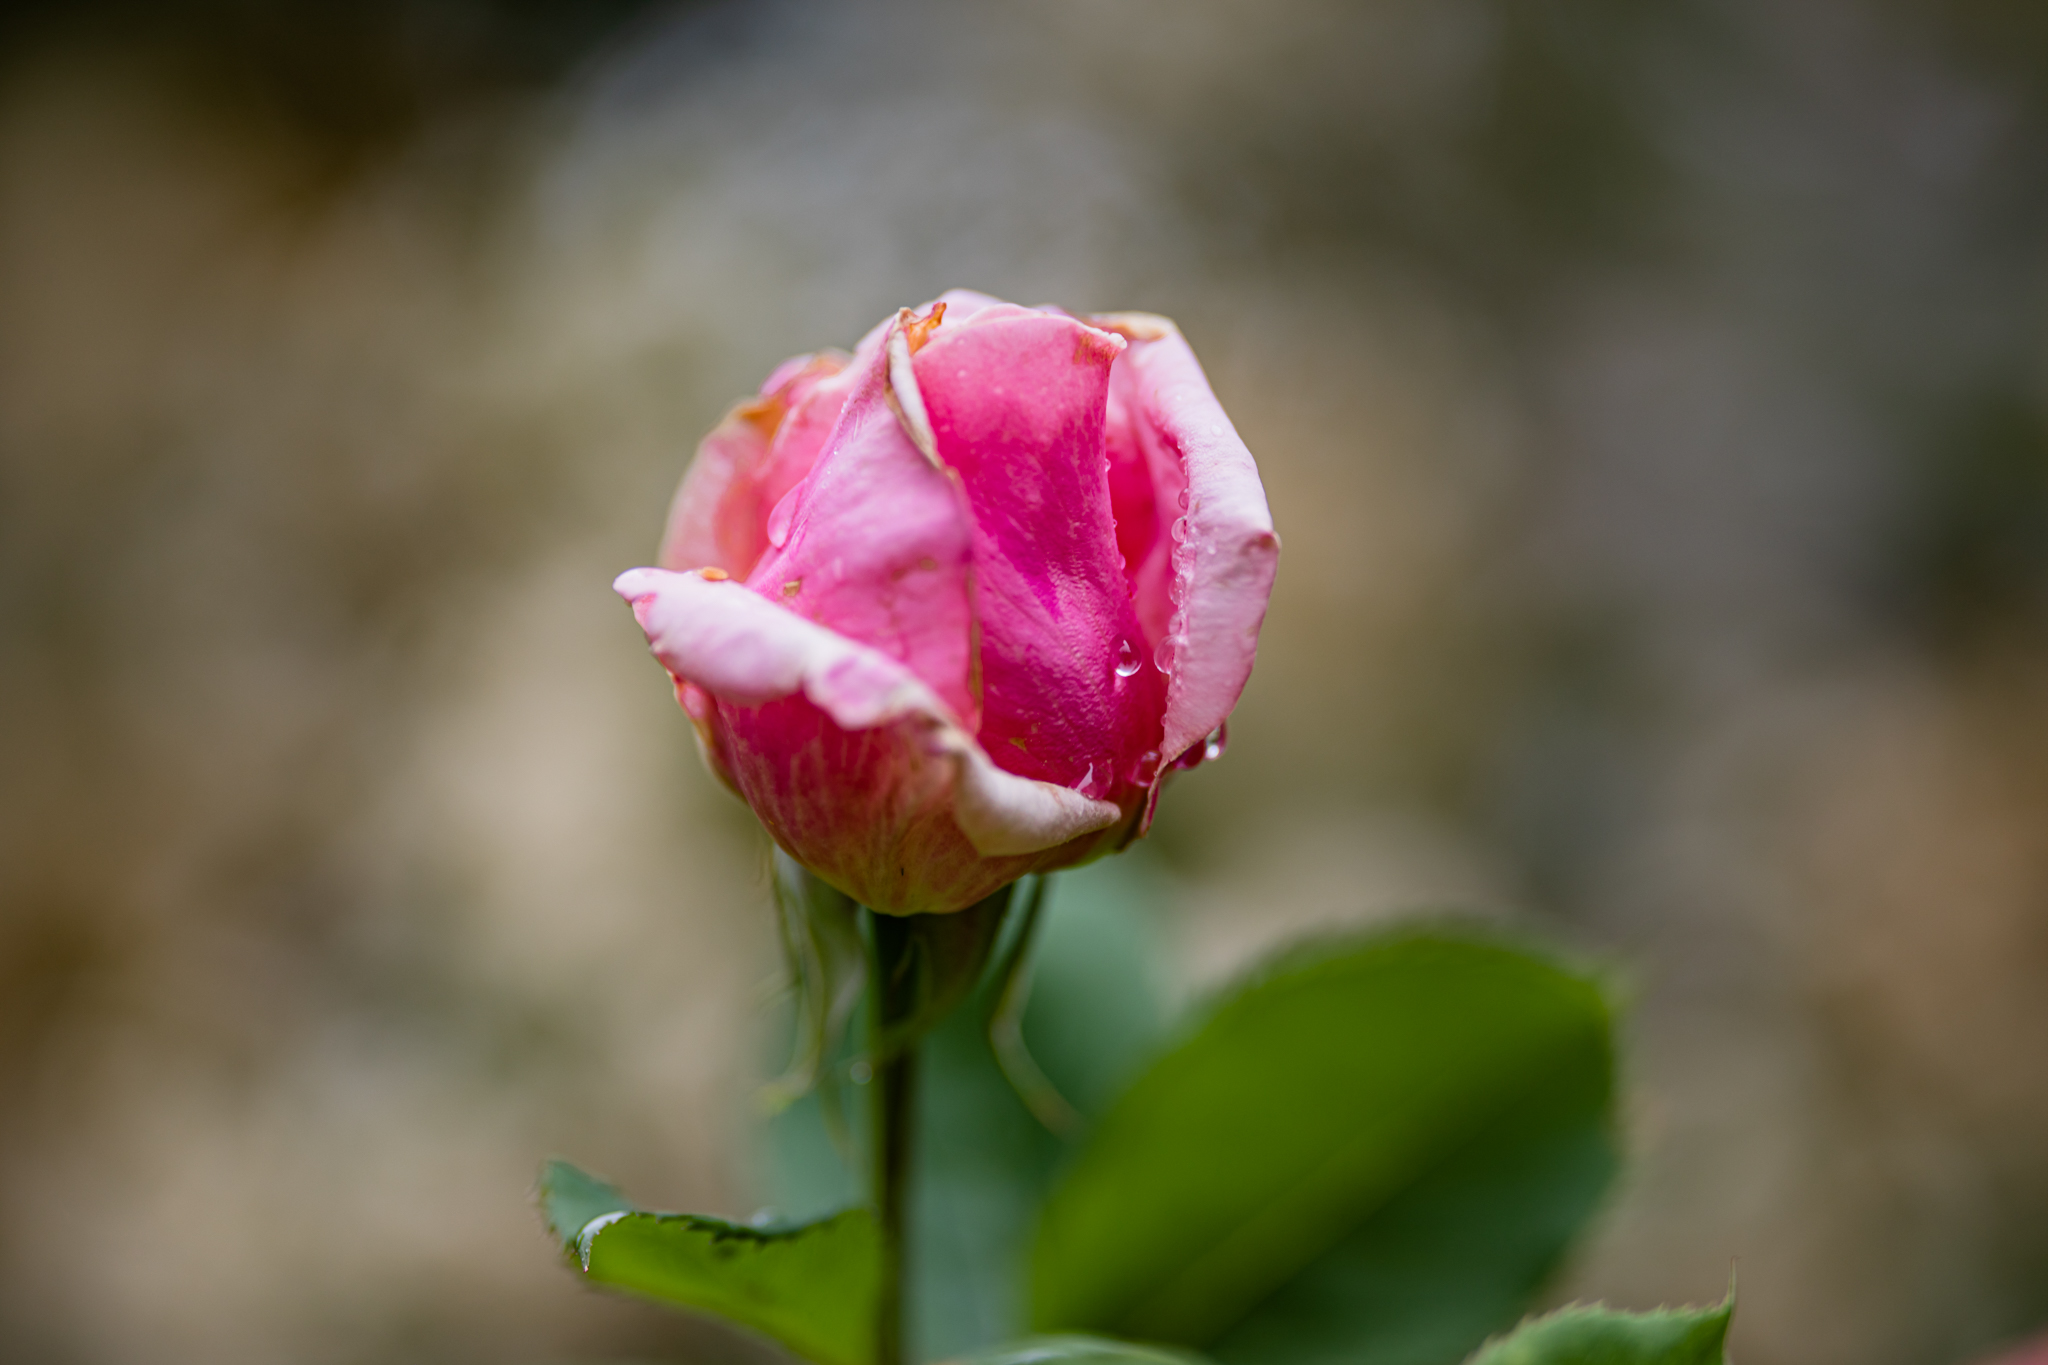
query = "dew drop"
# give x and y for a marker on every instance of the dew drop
(861, 1073)
(1126, 659)
(1212, 747)
(587, 1238)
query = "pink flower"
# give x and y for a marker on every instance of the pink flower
(947, 611)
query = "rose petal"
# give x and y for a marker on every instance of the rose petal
(1225, 554)
(741, 648)
(760, 450)
(962, 304)
(716, 489)
(1146, 482)
(877, 544)
(1016, 399)
(891, 742)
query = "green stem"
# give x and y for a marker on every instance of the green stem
(891, 1108)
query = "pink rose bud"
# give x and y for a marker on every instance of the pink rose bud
(948, 611)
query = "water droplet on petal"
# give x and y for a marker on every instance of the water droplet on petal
(1212, 747)
(1126, 659)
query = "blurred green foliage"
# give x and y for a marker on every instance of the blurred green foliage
(1371, 1150)
(1376, 1149)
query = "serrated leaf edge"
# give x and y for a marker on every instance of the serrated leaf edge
(1726, 1307)
(587, 1238)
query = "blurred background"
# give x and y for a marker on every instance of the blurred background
(1653, 400)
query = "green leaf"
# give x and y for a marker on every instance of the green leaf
(1599, 1336)
(1074, 1350)
(573, 1199)
(1374, 1151)
(813, 1287)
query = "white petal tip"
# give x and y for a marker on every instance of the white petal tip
(635, 584)
(1004, 815)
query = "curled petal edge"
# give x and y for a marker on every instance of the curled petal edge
(743, 649)
(1226, 553)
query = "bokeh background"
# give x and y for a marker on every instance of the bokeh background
(1653, 400)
